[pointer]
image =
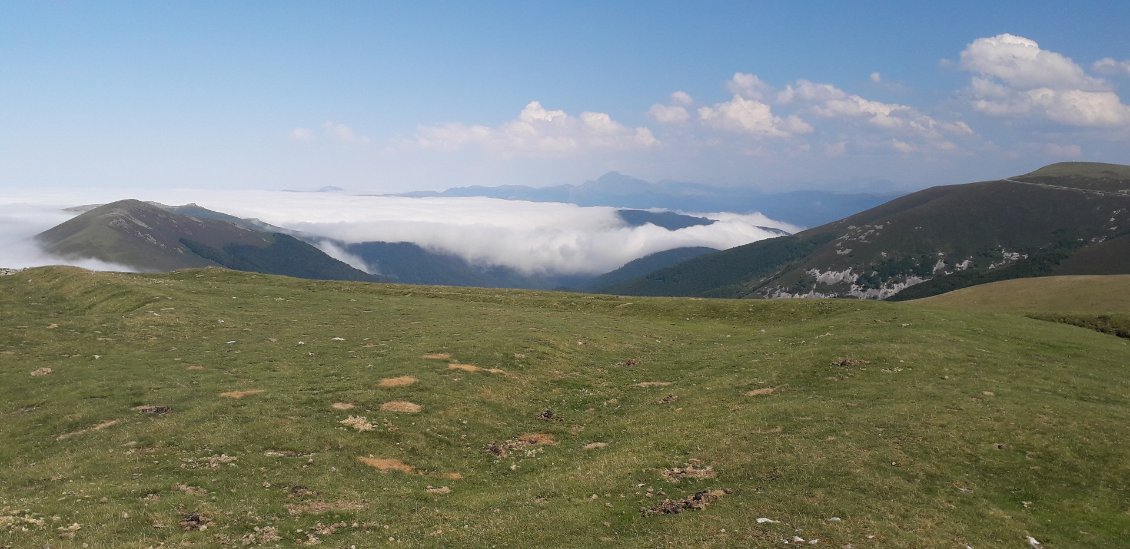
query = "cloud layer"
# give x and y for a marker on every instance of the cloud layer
(542, 238)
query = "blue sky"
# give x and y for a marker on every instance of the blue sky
(386, 97)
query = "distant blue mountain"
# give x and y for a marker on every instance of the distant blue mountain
(803, 208)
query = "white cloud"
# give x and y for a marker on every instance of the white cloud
(682, 98)
(748, 86)
(530, 236)
(876, 78)
(1014, 77)
(828, 101)
(538, 130)
(752, 117)
(669, 114)
(1109, 65)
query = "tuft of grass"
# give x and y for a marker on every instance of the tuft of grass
(889, 424)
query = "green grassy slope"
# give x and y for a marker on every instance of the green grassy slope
(929, 242)
(863, 423)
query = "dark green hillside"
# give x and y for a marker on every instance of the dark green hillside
(644, 265)
(928, 242)
(214, 408)
(1082, 175)
(151, 237)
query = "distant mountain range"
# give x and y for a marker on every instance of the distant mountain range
(802, 208)
(1069, 218)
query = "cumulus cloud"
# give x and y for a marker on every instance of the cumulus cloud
(539, 130)
(828, 101)
(751, 117)
(748, 86)
(1015, 77)
(1110, 65)
(533, 237)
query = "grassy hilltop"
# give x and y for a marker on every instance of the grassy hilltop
(213, 408)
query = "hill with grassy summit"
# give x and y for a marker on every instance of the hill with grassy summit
(151, 237)
(1062, 219)
(225, 409)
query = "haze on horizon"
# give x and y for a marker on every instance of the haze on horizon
(392, 97)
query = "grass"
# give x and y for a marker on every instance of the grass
(1100, 303)
(945, 427)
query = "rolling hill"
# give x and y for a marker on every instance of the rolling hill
(1062, 219)
(144, 410)
(149, 237)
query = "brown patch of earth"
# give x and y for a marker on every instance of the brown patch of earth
(300, 491)
(697, 502)
(437, 356)
(667, 399)
(595, 445)
(401, 406)
(762, 391)
(653, 384)
(849, 362)
(386, 464)
(194, 521)
(453, 476)
(320, 507)
(241, 394)
(693, 469)
(40, 372)
(359, 423)
(341, 406)
(402, 381)
(440, 490)
(195, 367)
(524, 442)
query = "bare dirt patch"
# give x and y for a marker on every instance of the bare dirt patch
(762, 391)
(241, 394)
(653, 384)
(667, 399)
(286, 453)
(848, 362)
(194, 521)
(463, 367)
(595, 446)
(358, 423)
(439, 490)
(401, 406)
(402, 381)
(210, 462)
(342, 406)
(696, 502)
(452, 475)
(527, 443)
(386, 464)
(321, 507)
(195, 367)
(437, 356)
(40, 372)
(694, 469)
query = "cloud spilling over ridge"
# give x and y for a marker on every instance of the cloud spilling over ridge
(19, 223)
(533, 237)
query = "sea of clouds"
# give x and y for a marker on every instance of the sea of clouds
(533, 237)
